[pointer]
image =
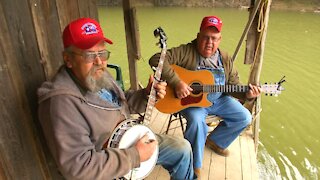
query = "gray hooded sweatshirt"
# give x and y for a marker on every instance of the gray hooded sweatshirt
(78, 123)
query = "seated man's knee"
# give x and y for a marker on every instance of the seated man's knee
(194, 116)
(184, 146)
(245, 116)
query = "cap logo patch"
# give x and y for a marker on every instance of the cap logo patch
(213, 20)
(89, 28)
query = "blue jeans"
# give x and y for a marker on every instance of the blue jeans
(175, 155)
(235, 118)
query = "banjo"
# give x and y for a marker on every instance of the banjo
(128, 132)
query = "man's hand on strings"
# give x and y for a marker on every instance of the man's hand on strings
(182, 90)
(253, 92)
(160, 87)
(146, 147)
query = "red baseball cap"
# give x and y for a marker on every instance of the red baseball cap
(211, 21)
(83, 33)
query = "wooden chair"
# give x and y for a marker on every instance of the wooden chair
(174, 117)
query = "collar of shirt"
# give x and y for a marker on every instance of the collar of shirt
(109, 96)
(211, 61)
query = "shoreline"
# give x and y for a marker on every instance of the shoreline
(295, 6)
(276, 5)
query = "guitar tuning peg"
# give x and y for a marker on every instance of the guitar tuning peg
(282, 80)
(153, 68)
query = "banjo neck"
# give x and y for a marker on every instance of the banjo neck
(157, 76)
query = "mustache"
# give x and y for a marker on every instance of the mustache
(105, 81)
(96, 67)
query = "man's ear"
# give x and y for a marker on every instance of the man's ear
(67, 59)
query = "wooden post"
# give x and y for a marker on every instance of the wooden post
(133, 43)
(252, 35)
(248, 28)
(257, 59)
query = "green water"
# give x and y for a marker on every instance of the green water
(289, 132)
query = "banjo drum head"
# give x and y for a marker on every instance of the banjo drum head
(129, 138)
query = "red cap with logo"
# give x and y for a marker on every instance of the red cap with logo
(211, 21)
(83, 33)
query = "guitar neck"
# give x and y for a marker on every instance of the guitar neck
(220, 88)
(153, 95)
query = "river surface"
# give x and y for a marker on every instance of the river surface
(290, 125)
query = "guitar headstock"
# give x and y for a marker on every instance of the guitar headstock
(273, 89)
(163, 38)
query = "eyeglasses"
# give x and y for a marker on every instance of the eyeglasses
(212, 38)
(90, 57)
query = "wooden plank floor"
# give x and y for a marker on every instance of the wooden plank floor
(241, 164)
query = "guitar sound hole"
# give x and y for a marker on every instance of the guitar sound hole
(197, 88)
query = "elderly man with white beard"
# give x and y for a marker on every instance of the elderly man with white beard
(81, 106)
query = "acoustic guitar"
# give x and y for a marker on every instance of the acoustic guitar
(202, 83)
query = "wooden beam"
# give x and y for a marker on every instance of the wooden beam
(132, 39)
(246, 29)
(20, 74)
(88, 9)
(257, 52)
(30, 52)
(46, 24)
(256, 123)
(67, 11)
(251, 36)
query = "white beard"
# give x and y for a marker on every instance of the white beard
(95, 85)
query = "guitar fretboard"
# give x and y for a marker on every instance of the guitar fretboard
(220, 88)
